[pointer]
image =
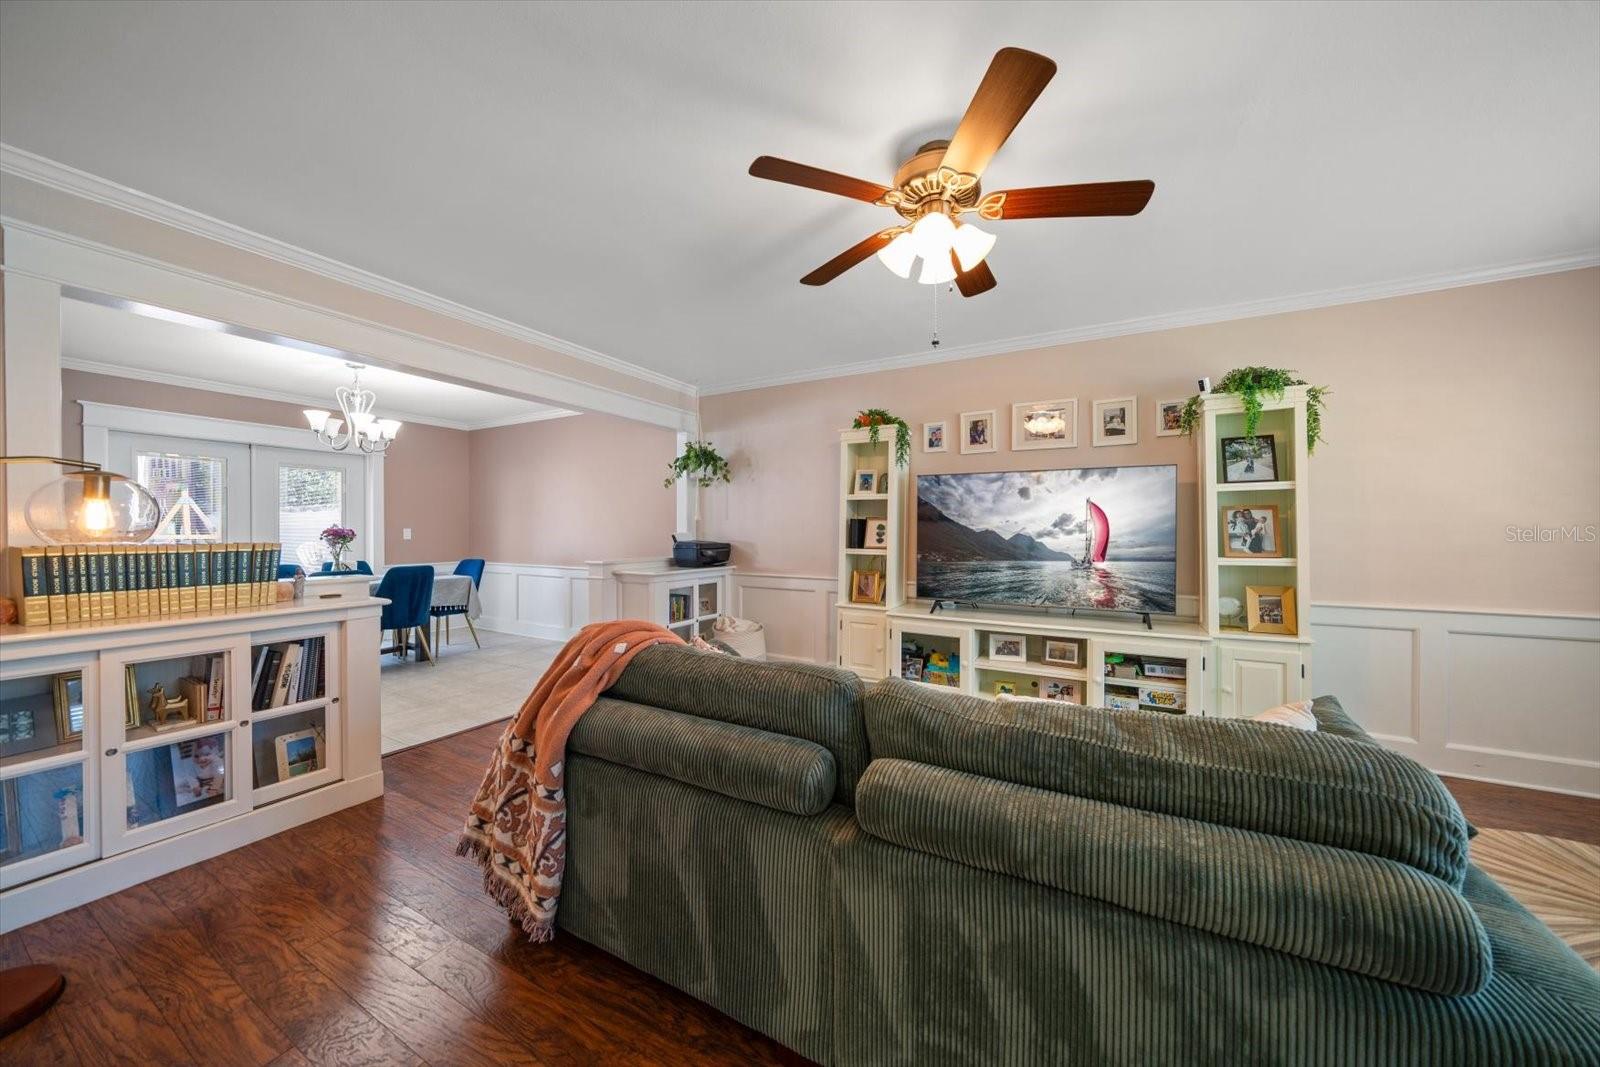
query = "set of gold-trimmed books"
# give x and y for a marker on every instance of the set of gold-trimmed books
(118, 582)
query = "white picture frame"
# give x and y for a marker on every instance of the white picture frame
(865, 483)
(292, 750)
(1116, 421)
(928, 431)
(1022, 440)
(1008, 648)
(1062, 652)
(877, 534)
(972, 424)
(1168, 412)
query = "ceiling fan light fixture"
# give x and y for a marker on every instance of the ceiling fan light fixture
(931, 237)
(899, 254)
(937, 271)
(971, 245)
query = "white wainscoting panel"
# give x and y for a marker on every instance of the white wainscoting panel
(1502, 698)
(534, 600)
(795, 610)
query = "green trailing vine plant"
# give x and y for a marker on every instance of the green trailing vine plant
(699, 461)
(874, 419)
(1251, 384)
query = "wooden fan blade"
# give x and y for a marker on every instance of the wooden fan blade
(1076, 201)
(1014, 81)
(845, 260)
(781, 170)
(979, 279)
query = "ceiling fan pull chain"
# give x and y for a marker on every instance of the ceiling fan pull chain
(935, 341)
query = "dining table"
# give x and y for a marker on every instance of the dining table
(449, 591)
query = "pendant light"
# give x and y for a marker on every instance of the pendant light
(88, 505)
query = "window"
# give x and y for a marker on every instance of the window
(310, 499)
(190, 492)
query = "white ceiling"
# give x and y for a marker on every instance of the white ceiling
(109, 340)
(580, 169)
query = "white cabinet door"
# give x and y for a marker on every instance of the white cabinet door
(1254, 677)
(861, 642)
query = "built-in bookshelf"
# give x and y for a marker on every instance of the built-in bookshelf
(104, 583)
(871, 547)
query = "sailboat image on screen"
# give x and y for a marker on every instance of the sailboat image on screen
(1043, 539)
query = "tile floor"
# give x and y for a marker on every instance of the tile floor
(469, 686)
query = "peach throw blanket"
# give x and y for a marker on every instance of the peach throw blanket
(517, 828)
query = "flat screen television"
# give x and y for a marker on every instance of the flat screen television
(1096, 537)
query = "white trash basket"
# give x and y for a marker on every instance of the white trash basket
(744, 636)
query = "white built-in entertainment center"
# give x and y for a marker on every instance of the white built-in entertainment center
(1212, 663)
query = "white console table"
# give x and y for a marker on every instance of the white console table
(98, 796)
(686, 600)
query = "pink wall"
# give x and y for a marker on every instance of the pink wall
(1452, 415)
(572, 489)
(423, 486)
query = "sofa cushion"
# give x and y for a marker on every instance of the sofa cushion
(1318, 787)
(1346, 909)
(821, 704)
(773, 770)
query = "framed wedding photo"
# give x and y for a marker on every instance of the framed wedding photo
(977, 431)
(1061, 653)
(1116, 422)
(1012, 648)
(1044, 424)
(1269, 609)
(1169, 418)
(1250, 459)
(933, 437)
(1251, 532)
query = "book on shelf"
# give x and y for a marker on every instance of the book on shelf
(287, 672)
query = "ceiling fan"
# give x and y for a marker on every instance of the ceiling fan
(937, 185)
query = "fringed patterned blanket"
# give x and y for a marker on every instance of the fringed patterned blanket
(517, 828)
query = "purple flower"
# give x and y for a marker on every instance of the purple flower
(338, 536)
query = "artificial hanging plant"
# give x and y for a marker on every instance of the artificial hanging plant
(872, 419)
(699, 461)
(1250, 384)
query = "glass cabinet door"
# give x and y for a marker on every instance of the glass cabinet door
(174, 728)
(47, 734)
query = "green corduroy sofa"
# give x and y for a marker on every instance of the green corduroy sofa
(905, 876)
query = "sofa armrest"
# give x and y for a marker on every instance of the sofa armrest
(1342, 908)
(773, 770)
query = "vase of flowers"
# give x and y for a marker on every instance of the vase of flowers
(338, 538)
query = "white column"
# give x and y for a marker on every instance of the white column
(33, 391)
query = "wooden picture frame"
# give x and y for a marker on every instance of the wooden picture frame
(1270, 609)
(1116, 421)
(1263, 459)
(977, 432)
(935, 437)
(866, 587)
(1022, 440)
(1062, 652)
(1001, 648)
(65, 699)
(1256, 524)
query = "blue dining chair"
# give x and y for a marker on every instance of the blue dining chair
(362, 567)
(472, 568)
(288, 570)
(409, 591)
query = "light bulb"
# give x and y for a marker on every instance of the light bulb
(932, 235)
(937, 271)
(898, 254)
(96, 515)
(971, 245)
(317, 419)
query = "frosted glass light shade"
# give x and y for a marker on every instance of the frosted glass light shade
(387, 428)
(317, 419)
(971, 245)
(931, 237)
(92, 506)
(898, 254)
(937, 271)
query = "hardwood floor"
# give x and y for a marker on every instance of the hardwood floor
(358, 939)
(363, 939)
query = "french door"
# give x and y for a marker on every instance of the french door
(297, 493)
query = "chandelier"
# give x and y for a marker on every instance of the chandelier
(359, 426)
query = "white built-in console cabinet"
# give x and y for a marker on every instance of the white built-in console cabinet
(1213, 664)
(98, 794)
(686, 600)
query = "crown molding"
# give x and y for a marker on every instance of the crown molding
(189, 381)
(1175, 320)
(59, 176)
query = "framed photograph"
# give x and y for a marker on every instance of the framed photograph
(1250, 459)
(1054, 689)
(1045, 424)
(877, 533)
(1004, 688)
(199, 769)
(298, 753)
(1116, 422)
(866, 482)
(1269, 609)
(911, 668)
(69, 706)
(1251, 532)
(1061, 652)
(977, 431)
(933, 439)
(27, 723)
(1012, 648)
(1169, 418)
(883, 482)
(866, 587)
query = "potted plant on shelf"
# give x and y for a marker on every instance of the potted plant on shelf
(338, 538)
(874, 419)
(1250, 384)
(701, 462)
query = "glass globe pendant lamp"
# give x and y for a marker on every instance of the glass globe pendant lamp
(88, 505)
